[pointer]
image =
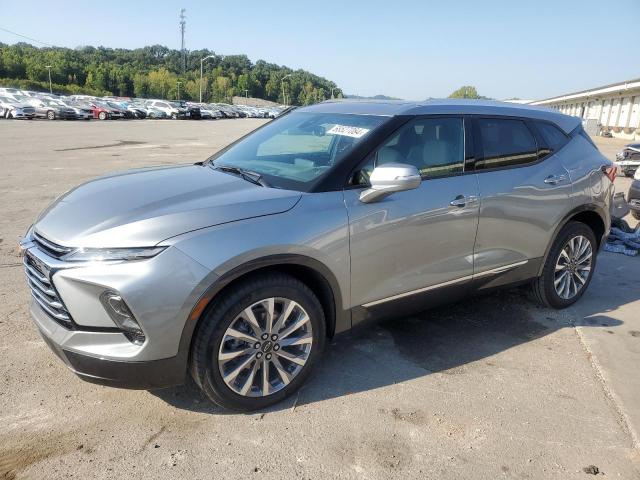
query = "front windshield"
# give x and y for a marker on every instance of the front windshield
(295, 150)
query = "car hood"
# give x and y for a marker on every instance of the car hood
(145, 206)
(17, 104)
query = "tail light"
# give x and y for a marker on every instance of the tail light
(610, 171)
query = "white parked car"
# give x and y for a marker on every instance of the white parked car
(12, 108)
(7, 91)
(170, 108)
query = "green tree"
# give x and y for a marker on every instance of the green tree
(466, 91)
(153, 71)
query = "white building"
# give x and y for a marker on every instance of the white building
(616, 107)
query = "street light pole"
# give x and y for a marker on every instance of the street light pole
(332, 89)
(246, 93)
(284, 95)
(48, 67)
(201, 62)
(178, 89)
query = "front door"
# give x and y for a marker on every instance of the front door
(417, 240)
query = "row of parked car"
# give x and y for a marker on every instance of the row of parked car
(15, 103)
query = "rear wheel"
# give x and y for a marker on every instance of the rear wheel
(259, 343)
(569, 267)
(51, 115)
(102, 115)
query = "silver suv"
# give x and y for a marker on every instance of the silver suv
(237, 269)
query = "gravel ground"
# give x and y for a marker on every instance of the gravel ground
(492, 387)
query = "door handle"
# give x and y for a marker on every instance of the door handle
(554, 179)
(461, 201)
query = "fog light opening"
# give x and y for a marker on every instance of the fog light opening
(119, 312)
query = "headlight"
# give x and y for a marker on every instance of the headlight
(107, 254)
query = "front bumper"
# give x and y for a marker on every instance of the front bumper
(145, 375)
(91, 344)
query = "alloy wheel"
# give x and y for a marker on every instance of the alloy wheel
(573, 267)
(265, 347)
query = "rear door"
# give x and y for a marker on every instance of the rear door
(420, 239)
(524, 193)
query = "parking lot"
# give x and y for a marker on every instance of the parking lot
(492, 387)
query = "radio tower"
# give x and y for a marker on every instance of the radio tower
(183, 24)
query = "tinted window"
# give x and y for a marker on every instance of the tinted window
(435, 146)
(552, 135)
(505, 143)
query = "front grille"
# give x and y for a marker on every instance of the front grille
(52, 249)
(29, 110)
(39, 281)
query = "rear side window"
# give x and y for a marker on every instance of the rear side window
(505, 143)
(552, 135)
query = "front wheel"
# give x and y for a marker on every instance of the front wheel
(51, 115)
(569, 267)
(102, 115)
(259, 343)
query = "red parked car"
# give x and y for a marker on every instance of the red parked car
(104, 112)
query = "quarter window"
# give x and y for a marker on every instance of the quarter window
(505, 143)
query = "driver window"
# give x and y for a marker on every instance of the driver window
(435, 146)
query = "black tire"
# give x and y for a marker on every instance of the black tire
(51, 115)
(174, 116)
(102, 115)
(543, 289)
(203, 362)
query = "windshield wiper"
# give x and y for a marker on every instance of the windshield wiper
(247, 175)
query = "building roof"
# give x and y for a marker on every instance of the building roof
(592, 92)
(447, 106)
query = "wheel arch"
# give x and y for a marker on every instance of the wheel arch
(591, 215)
(311, 272)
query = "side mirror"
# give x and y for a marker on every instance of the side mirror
(389, 178)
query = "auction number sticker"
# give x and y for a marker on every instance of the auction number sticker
(347, 131)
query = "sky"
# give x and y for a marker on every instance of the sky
(409, 49)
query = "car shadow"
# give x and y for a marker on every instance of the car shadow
(443, 339)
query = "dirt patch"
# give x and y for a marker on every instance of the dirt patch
(415, 417)
(14, 460)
